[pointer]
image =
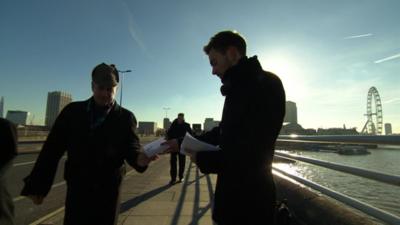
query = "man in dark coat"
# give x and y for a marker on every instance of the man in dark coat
(178, 130)
(98, 136)
(251, 120)
(8, 150)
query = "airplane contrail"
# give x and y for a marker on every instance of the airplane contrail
(387, 58)
(136, 38)
(358, 36)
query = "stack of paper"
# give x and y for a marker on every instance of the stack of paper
(189, 142)
(155, 147)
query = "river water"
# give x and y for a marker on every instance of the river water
(385, 159)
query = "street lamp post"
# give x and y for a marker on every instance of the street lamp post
(122, 78)
(166, 111)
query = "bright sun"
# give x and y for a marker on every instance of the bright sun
(290, 74)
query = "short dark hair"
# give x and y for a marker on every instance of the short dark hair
(181, 114)
(224, 39)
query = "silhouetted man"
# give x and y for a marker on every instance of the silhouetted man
(98, 136)
(252, 117)
(8, 150)
(178, 130)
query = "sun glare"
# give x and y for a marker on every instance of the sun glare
(290, 73)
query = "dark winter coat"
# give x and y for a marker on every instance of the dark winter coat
(8, 142)
(178, 131)
(252, 118)
(8, 150)
(95, 161)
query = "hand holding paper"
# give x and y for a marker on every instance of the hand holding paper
(155, 147)
(173, 145)
(195, 145)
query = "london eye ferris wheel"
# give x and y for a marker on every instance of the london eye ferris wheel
(374, 113)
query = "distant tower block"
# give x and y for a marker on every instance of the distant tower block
(1, 107)
(166, 123)
(388, 128)
(374, 113)
(209, 124)
(56, 101)
(18, 117)
(291, 112)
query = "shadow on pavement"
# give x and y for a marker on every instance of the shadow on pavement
(197, 212)
(125, 206)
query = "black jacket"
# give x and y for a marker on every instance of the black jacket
(8, 150)
(95, 161)
(178, 131)
(252, 118)
(8, 142)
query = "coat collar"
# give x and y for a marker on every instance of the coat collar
(90, 104)
(99, 121)
(240, 73)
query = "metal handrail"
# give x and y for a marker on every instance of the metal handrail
(373, 175)
(28, 142)
(368, 209)
(354, 139)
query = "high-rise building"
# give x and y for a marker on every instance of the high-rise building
(166, 123)
(56, 101)
(210, 123)
(388, 128)
(291, 112)
(196, 128)
(147, 128)
(17, 117)
(1, 107)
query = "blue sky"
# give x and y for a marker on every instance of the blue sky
(328, 54)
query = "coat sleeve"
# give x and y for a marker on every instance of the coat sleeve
(132, 145)
(173, 131)
(169, 133)
(188, 129)
(252, 124)
(42, 176)
(210, 162)
(8, 142)
(211, 137)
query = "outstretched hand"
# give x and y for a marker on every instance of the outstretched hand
(36, 199)
(173, 146)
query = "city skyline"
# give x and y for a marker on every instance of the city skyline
(290, 105)
(328, 54)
